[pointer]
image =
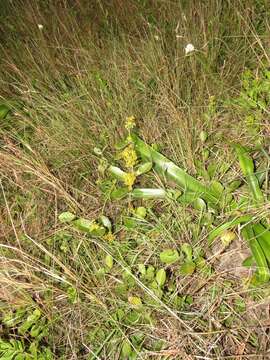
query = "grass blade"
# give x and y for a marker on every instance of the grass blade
(226, 226)
(263, 237)
(257, 252)
(247, 167)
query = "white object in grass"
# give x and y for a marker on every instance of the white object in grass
(189, 48)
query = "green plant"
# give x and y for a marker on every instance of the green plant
(32, 326)
(16, 350)
(99, 269)
(247, 167)
(254, 99)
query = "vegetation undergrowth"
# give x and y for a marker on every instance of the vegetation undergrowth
(134, 179)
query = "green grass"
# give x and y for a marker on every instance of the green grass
(70, 87)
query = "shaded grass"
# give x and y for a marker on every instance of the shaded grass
(93, 64)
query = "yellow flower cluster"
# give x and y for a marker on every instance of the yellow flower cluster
(130, 122)
(129, 155)
(109, 237)
(129, 179)
(94, 226)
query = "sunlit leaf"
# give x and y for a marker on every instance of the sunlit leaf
(199, 204)
(117, 172)
(203, 136)
(109, 261)
(148, 193)
(161, 277)
(141, 212)
(144, 168)
(66, 217)
(169, 256)
(227, 237)
(126, 349)
(106, 222)
(135, 301)
(89, 226)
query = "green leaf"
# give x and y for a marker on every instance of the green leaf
(161, 277)
(187, 250)
(158, 292)
(234, 185)
(83, 224)
(262, 274)
(22, 329)
(106, 222)
(245, 160)
(11, 319)
(126, 349)
(205, 154)
(240, 305)
(144, 168)
(135, 301)
(66, 217)
(203, 266)
(212, 169)
(142, 269)
(150, 273)
(132, 318)
(169, 256)
(199, 204)
(187, 268)
(117, 172)
(263, 237)
(72, 295)
(121, 144)
(36, 329)
(217, 188)
(226, 226)
(109, 261)
(173, 194)
(130, 223)
(249, 261)
(247, 167)
(100, 273)
(188, 299)
(19, 357)
(203, 136)
(89, 226)
(167, 168)
(148, 193)
(119, 193)
(141, 212)
(227, 237)
(4, 110)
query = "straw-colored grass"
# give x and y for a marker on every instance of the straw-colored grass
(71, 83)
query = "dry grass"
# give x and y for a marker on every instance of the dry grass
(93, 64)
